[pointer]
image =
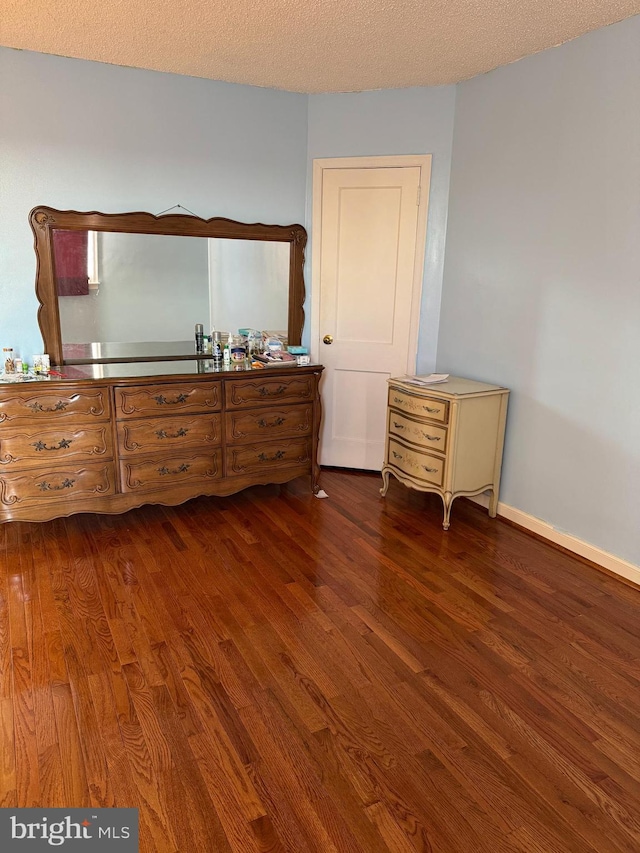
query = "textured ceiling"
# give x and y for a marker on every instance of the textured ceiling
(306, 45)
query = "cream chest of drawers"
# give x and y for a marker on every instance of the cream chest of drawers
(107, 438)
(446, 438)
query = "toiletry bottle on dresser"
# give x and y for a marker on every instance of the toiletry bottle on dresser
(199, 339)
(9, 365)
(216, 347)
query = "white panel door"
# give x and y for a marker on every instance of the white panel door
(369, 281)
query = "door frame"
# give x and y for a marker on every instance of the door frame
(375, 162)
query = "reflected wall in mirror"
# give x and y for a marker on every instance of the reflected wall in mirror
(133, 286)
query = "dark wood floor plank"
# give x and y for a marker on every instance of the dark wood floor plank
(281, 744)
(24, 721)
(8, 781)
(49, 758)
(74, 775)
(150, 794)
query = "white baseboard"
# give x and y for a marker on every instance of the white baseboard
(590, 552)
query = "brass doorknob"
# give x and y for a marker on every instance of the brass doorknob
(328, 339)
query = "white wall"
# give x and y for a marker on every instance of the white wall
(542, 277)
(87, 136)
(403, 121)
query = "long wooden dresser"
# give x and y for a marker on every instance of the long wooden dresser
(110, 437)
(446, 438)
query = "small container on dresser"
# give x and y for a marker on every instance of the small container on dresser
(8, 361)
(446, 438)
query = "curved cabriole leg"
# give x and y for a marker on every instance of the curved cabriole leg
(447, 500)
(493, 504)
(385, 483)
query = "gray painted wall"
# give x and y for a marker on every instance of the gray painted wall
(86, 136)
(541, 284)
(404, 121)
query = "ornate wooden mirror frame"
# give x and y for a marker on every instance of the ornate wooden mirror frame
(44, 220)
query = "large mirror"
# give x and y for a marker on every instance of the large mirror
(132, 286)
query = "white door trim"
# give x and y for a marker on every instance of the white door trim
(401, 160)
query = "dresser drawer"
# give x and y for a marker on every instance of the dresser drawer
(426, 435)
(43, 404)
(245, 393)
(275, 422)
(54, 444)
(139, 400)
(424, 407)
(169, 472)
(245, 459)
(169, 434)
(66, 483)
(417, 465)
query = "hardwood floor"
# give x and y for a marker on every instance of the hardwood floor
(272, 672)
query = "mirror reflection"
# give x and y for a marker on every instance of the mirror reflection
(130, 288)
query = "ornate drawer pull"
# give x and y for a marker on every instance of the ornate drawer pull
(431, 411)
(62, 444)
(277, 455)
(398, 426)
(264, 392)
(60, 406)
(431, 437)
(161, 400)
(181, 469)
(161, 433)
(263, 422)
(413, 464)
(47, 487)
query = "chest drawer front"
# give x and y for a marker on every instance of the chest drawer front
(64, 483)
(39, 404)
(42, 447)
(245, 393)
(251, 459)
(276, 422)
(168, 472)
(417, 465)
(169, 434)
(417, 432)
(166, 399)
(422, 407)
